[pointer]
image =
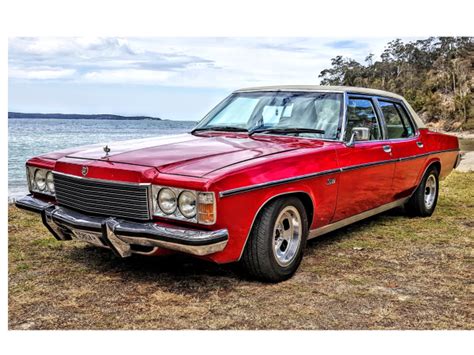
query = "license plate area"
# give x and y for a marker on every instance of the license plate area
(88, 236)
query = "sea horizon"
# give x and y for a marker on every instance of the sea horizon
(99, 116)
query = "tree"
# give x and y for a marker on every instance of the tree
(435, 75)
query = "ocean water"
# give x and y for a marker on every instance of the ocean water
(30, 137)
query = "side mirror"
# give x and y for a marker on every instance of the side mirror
(359, 134)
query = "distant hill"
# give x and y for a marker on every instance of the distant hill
(79, 116)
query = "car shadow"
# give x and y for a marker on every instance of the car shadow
(173, 271)
(188, 270)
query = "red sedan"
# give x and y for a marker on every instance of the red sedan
(265, 170)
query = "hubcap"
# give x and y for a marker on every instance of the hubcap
(287, 235)
(430, 191)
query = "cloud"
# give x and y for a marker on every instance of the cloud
(83, 59)
(41, 74)
(128, 75)
(226, 63)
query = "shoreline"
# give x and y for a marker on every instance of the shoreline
(101, 119)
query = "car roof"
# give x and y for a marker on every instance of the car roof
(325, 88)
(341, 89)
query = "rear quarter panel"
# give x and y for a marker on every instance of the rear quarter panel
(441, 147)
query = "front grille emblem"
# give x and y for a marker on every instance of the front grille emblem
(85, 170)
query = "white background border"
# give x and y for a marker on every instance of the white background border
(338, 19)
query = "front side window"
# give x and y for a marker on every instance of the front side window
(279, 111)
(397, 121)
(361, 113)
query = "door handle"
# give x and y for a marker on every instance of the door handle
(387, 149)
(419, 144)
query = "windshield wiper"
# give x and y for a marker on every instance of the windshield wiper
(286, 130)
(219, 128)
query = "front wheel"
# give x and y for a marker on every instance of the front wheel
(277, 240)
(424, 199)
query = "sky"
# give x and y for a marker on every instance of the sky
(178, 78)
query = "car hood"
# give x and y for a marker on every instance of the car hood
(186, 154)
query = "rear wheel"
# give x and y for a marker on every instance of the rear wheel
(275, 246)
(424, 199)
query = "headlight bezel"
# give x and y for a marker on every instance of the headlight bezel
(177, 213)
(180, 203)
(167, 211)
(31, 173)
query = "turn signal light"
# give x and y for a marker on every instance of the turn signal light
(206, 208)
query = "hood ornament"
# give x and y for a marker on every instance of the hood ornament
(107, 151)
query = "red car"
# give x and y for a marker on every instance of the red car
(265, 170)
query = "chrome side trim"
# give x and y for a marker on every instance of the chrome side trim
(275, 183)
(264, 185)
(344, 222)
(428, 153)
(366, 165)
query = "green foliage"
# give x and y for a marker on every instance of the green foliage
(435, 75)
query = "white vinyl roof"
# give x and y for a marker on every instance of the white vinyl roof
(342, 89)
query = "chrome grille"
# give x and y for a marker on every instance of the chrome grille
(103, 197)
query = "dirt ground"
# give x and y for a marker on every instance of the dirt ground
(388, 272)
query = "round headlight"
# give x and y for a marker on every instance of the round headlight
(40, 179)
(187, 204)
(167, 200)
(50, 181)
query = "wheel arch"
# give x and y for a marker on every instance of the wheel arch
(436, 164)
(432, 162)
(303, 196)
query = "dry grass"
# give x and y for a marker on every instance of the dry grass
(389, 272)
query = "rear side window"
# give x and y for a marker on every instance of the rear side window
(361, 113)
(397, 121)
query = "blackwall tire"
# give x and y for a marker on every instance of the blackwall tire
(276, 243)
(424, 199)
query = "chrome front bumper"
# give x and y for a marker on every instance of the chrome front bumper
(119, 234)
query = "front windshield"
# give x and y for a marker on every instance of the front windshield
(278, 111)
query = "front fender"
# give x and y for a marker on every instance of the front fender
(238, 212)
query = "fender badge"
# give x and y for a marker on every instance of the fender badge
(331, 181)
(85, 170)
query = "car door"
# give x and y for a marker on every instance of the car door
(367, 167)
(406, 145)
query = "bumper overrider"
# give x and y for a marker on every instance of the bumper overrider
(119, 234)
